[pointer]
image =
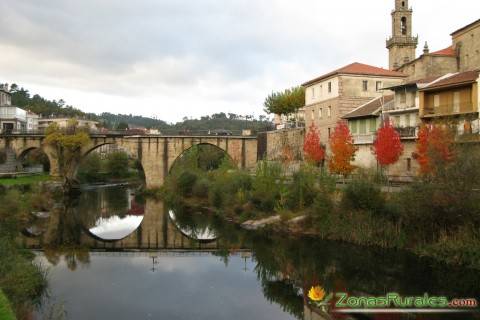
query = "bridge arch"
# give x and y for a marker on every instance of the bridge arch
(23, 153)
(104, 148)
(191, 148)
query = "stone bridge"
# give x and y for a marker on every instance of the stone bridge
(157, 154)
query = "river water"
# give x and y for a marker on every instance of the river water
(113, 255)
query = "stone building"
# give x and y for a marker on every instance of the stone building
(331, 96)
(462, 55)
(466, 43)
(43, 123)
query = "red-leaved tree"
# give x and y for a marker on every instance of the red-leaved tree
(312, 147)
(434, 148)
(387, 147)
(343, 150)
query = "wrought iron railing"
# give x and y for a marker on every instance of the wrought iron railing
(407, 132)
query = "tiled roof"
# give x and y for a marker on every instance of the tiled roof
(358, 69)
(455, 79)
(445, 52)
(369, 108)
(465, 27)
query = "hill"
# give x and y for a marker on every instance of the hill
(57, 108)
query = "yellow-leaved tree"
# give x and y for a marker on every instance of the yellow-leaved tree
(67, 144)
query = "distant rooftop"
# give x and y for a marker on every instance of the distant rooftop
(357, 68)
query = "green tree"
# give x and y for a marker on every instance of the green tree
(67, 144)
(90, 168)
(286, 102)
(117, 165)
(122, 126)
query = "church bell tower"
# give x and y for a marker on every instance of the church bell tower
(402, 44)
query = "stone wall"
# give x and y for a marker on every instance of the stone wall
(403, 170)
(279, 141)
(429, 65)
(467, 43)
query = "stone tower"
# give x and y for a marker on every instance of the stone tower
(402, 44)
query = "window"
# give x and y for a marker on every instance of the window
(378, 85)
(407, 120)
(456, 101)
(403, 26)
(403, 4)
(329, 87)
(320, 113)
(436, 101)
(403, 97)
(396, 121)
(373, 125)
(409, 164)
(353, 126)
(365, 85)
(313, 114)
(363, 126)
(313, 92)
(329, 132)
(329, 112)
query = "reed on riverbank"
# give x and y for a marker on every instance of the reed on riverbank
(21, 280)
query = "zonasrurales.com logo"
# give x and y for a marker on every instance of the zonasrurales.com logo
(391, 302)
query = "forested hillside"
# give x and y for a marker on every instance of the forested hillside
(57, 108)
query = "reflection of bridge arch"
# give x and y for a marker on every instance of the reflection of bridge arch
(156, 232)
(156, 153)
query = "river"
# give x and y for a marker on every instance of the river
(113, 255)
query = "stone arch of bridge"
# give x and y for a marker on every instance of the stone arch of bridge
(89, 148)
(190, 148)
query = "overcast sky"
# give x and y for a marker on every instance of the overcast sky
(176, 58)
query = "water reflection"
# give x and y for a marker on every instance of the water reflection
(235, 275)
(110, 213)
(193, 226)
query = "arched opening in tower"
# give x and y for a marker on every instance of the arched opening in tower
(404, 26)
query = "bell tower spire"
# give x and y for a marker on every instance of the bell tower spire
(402, 44)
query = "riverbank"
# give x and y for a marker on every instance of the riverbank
(24, 180)
(436, 216)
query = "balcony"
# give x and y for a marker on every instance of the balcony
(401, 107)
(407, 132)
(449, 109)
(402, 40)
(364, 138)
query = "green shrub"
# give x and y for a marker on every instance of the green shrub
(302, 191)
(117, 165)
(361, 194)
(201, 187)
(185, 182)
(216, 196)
(6, 312)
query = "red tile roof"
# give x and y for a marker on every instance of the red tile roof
(455, 80)
(445, 52)
(369, 108)
(358, 69)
